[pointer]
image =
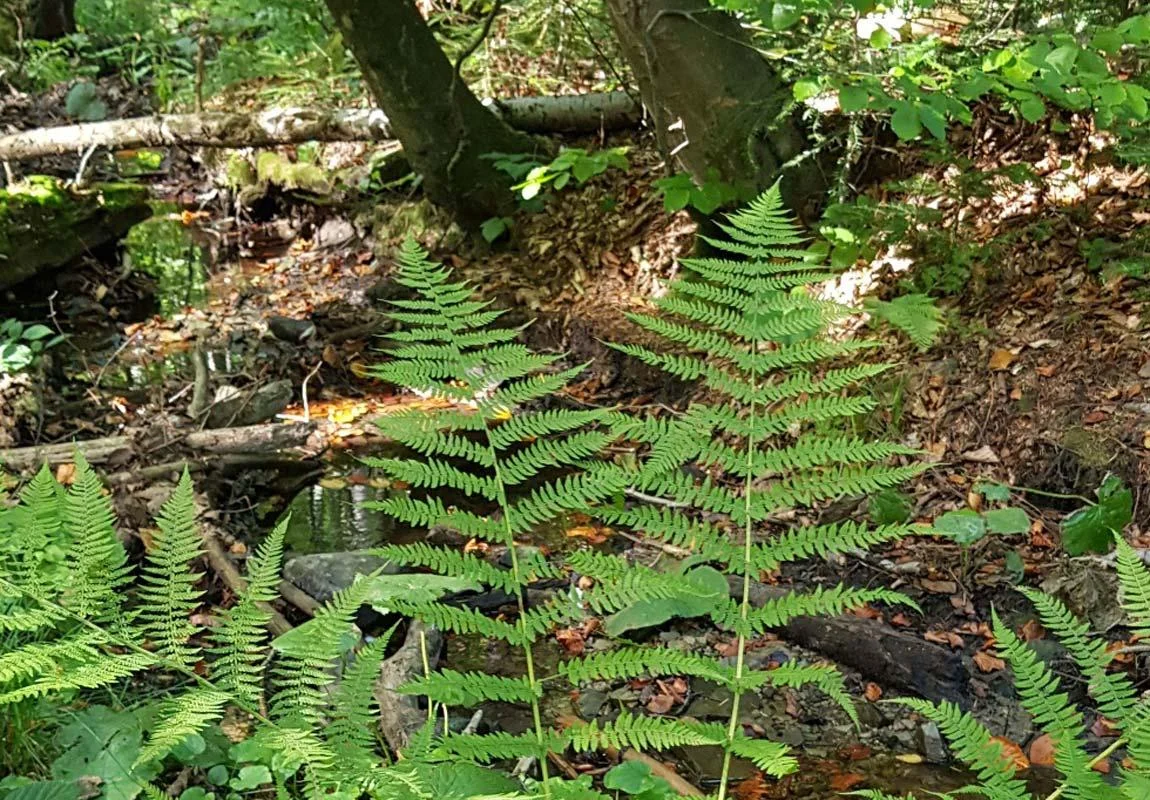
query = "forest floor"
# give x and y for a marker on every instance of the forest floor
(1040, 381)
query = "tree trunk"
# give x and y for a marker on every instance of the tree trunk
(717, 105)
(444, 129)
(55, 18)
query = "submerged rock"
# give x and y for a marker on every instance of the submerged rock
(45, 225)
(321, 575)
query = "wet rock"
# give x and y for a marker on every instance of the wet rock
(293, 331)
(334, 232)
(321, 575)
(591, 702)
(932, 745)
(705, 762)
(234, 408)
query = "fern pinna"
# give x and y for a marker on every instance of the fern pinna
(72, 621)
(1041, 693)
(745, 324)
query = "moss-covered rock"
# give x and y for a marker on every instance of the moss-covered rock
(45, 225)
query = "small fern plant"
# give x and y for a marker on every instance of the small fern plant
(521, 464)
(1042, 694)
(716, 476)
(81, 623)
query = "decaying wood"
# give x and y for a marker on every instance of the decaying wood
(661, 770)
(266, 438)
(108, 450)
(399, 714)
(883, 654)
(277, 126)
(250, 439)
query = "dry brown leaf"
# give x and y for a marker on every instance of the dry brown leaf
(1001, 359)
(1012, 751)
(1042, 751)
(988, 663)
(945, 637)
(1046, 370)
(939, 587)
(845, 781)
(873, 692)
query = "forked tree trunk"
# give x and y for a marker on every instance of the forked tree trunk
(444, 129)
(716, 103)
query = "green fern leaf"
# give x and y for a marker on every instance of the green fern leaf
(167, 591)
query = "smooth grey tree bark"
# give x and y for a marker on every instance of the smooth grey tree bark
(718, 106)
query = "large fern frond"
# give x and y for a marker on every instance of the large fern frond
(97, 562)
(167, 587)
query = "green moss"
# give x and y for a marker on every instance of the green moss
(44, 224)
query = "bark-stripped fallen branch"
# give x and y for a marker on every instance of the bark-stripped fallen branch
(116, 450)
(277, 126)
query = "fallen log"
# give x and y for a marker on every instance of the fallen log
(250, 439)
(883, 654)
(277, 126)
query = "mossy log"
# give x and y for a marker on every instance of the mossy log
(45, 225)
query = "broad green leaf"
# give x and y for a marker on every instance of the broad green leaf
(1107, 40)
(966, 526)
(631, 777)
(804, 90)
(415, 588)
(1007, 521)
(853, 98)
(676, 199)
(34, 332)
(905, 121)
(41, 790)
(995, 492)
(104, 743)
(84, 104)
(1111, 93)
(933, 121)
(708, 581)
(1063, 58)
(889, 507)
(881, 39)
(1032, 108)
(1091, 529)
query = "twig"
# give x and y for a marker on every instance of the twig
(231, 577)
(299, 598)
(303, 391)
(78, 181)
(650, 498)
(473, 723)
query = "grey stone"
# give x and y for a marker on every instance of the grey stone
(591, 702)
(233, 408)
(933, 747)
(321, 575)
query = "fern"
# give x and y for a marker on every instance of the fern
(746, 327)
(916, 315)
(1052, 710)
(167, 590)
(486, 446)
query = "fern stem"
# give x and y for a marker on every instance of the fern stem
(532, 682)
(1098, 759)
(745, 602)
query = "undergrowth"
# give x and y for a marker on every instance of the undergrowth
(496, 452)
